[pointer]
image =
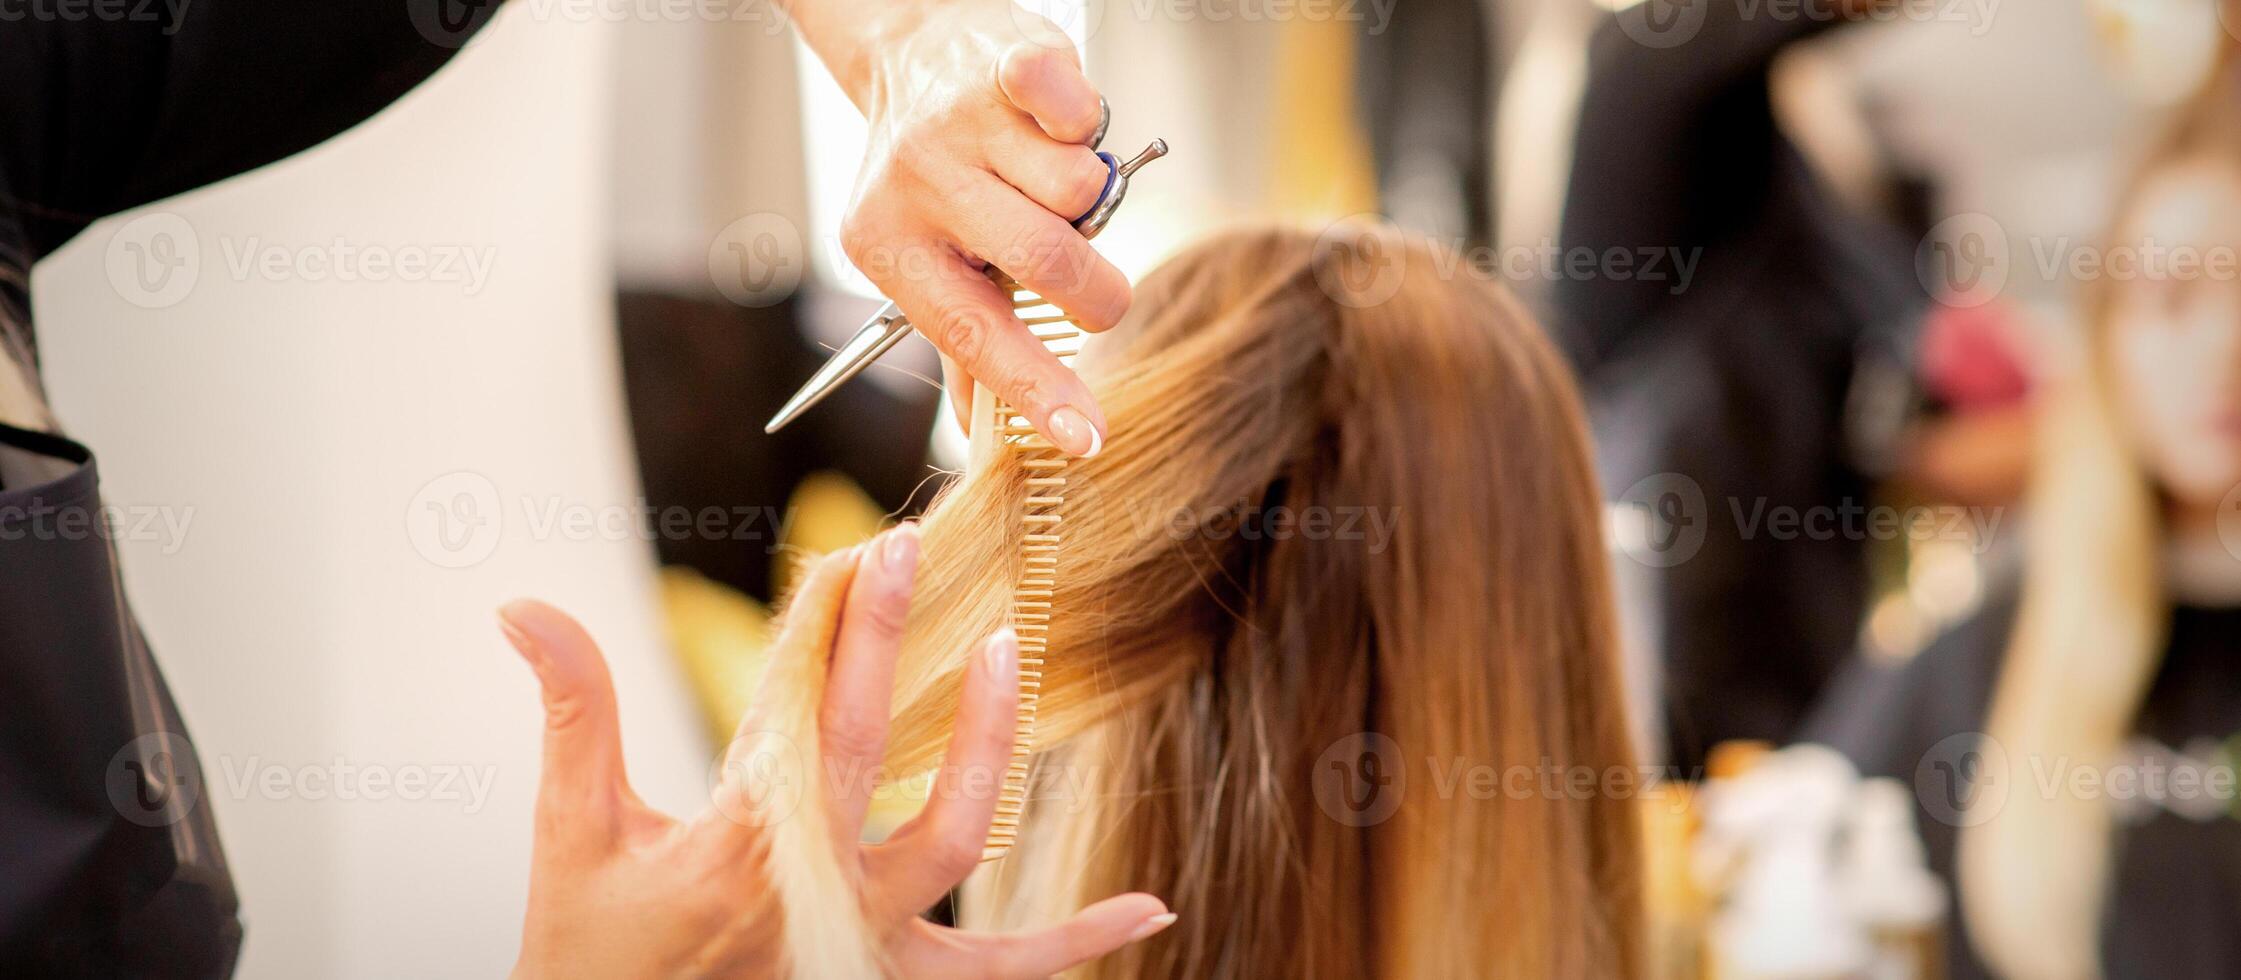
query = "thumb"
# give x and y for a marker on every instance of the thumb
(583, 767)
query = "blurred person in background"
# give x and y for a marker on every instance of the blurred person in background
(1742, 382)
(2067, 744)
(978, 115)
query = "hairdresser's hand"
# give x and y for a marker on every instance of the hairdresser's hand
(979, 117)
(618, 889)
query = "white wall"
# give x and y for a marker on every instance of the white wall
(306, 614)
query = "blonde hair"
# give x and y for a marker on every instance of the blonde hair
(1201, 670)
(2088, 639)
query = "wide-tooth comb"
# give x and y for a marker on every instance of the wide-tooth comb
(1041, 533)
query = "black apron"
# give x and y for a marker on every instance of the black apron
(110, 864)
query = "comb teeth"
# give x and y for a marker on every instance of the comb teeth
(1041, 534)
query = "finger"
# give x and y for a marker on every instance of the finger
(1042, 252)
(1066, 179)
(583, 780)
(970, 320)
(928, 856)
(860, 688)
(959, 386)
(1046, 83)
(935, 951)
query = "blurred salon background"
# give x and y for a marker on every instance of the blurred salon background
(1818, 264)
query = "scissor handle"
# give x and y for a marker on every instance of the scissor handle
(1112, 176)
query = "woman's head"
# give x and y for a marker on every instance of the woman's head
(2171, 313)
(1347, 490)
(2143, 436)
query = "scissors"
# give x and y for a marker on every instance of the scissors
(889, 326)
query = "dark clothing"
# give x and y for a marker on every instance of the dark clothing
(2174, 894)
(1742, 380)
(102, 114)
(109, 861)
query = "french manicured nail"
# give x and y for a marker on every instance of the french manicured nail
(1152, 926)
(1001, 655)
(1071, 432)
(900, 551)
(514, 632)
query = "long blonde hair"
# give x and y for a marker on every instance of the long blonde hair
(1325, 517)
(2088, 639)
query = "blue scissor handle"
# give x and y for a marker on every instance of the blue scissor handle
(1112, 176)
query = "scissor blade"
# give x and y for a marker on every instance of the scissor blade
(878, 335)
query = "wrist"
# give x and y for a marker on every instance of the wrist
(852, 37)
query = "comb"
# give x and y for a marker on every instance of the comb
(999, 428)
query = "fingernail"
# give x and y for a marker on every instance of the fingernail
(1152, 926)
(900, 551)
(1002, 652)
(518, 635)
(1071, 432)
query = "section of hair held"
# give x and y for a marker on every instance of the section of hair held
(826, 933)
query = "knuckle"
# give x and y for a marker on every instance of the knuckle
(1085, 185)
(566, 713)
(1043, 256)
(1027, 68)
(962, 332)
(955, 855)
(855, 235)
(849, 733)
(1028, 392)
